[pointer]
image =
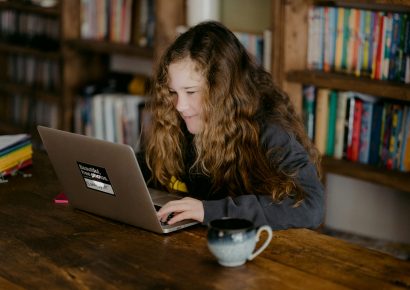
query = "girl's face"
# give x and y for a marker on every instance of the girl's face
(187, 86)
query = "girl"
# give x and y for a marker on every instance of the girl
(222, 131)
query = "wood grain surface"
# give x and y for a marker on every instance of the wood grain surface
(53, 246)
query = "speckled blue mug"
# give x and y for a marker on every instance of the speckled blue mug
(232, 240)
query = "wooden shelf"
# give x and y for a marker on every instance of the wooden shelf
(13, 88)
(390, 178)
(51, 11)
(390, 5)
(338, 81)
(7, 128)
(36, 52)
(110, 47)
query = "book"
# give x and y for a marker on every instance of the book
(15, 153)
(403, 46)
(353, 151)
(395, 54)
(401, 137)
(9, 141)
(14, 158)
(346, 40)
(315, 45)
(309, 103)
(367, 44)
(353, 41)
(343, 99)
(321, 122)
(360, 42)
(388, 30)
(267, 50)
(378, 61)
(97, 116)
(339, 39)
(348, 134)
(405, 152)
(331, 128)
(375, 134)
(397, 114)
(385, 133)
(376, 21)
(365, 130)
(329, 38)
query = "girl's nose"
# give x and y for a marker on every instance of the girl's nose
(182, 103)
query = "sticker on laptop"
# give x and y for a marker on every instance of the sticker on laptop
(95, 177)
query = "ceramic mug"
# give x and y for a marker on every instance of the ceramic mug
(232, 241)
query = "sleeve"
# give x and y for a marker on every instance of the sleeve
(143, 165)
(261, 209)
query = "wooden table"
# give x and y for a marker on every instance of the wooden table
(50, 246)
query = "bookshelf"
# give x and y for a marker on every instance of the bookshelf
(79, 61)
(294, 74)
(30, 55)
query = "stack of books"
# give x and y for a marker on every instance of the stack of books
(15, 153)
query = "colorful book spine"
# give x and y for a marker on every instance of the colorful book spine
(330, 142)
(405, 153)
(346, 40)
(392, 159)
(376, 21)
(367, 41)
(339, 38)
(360, 42)
(348, 135)
(380, 48)
(395, 57)
(400, 138)
(376, 128)
(365, 132)
(343, 99)
(388, 30)
(315, 40)
(406, 69)
(353, 42)
(404, 45)
(321, 122)
(385, 133)
(357, 120)
(309, 110)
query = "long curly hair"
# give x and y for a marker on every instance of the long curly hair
(240, 97)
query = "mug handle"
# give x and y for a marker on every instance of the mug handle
(265, 244)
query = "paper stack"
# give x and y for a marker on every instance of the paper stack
(15, 153)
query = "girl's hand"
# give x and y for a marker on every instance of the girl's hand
(185, 208)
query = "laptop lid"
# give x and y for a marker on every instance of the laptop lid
(103, 178)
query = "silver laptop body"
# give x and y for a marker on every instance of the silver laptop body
(104, 178)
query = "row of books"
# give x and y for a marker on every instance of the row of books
(26, 112)
(358, 127)
(114, 117)
(361, 42)
(122, 21)
(258, 45)
(15, 153)
(29, 29)
(33, 71)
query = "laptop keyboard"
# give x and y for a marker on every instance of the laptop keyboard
(170, 216)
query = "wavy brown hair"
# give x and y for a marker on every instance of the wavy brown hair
(240, 97)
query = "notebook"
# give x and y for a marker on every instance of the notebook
(104, 178)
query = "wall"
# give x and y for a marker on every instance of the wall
(360, 207)
(246, 15)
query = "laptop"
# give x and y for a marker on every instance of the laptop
(104, 178)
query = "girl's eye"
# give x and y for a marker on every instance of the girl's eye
(172, 93)
(190, 93)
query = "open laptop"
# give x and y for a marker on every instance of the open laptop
(104, 178)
